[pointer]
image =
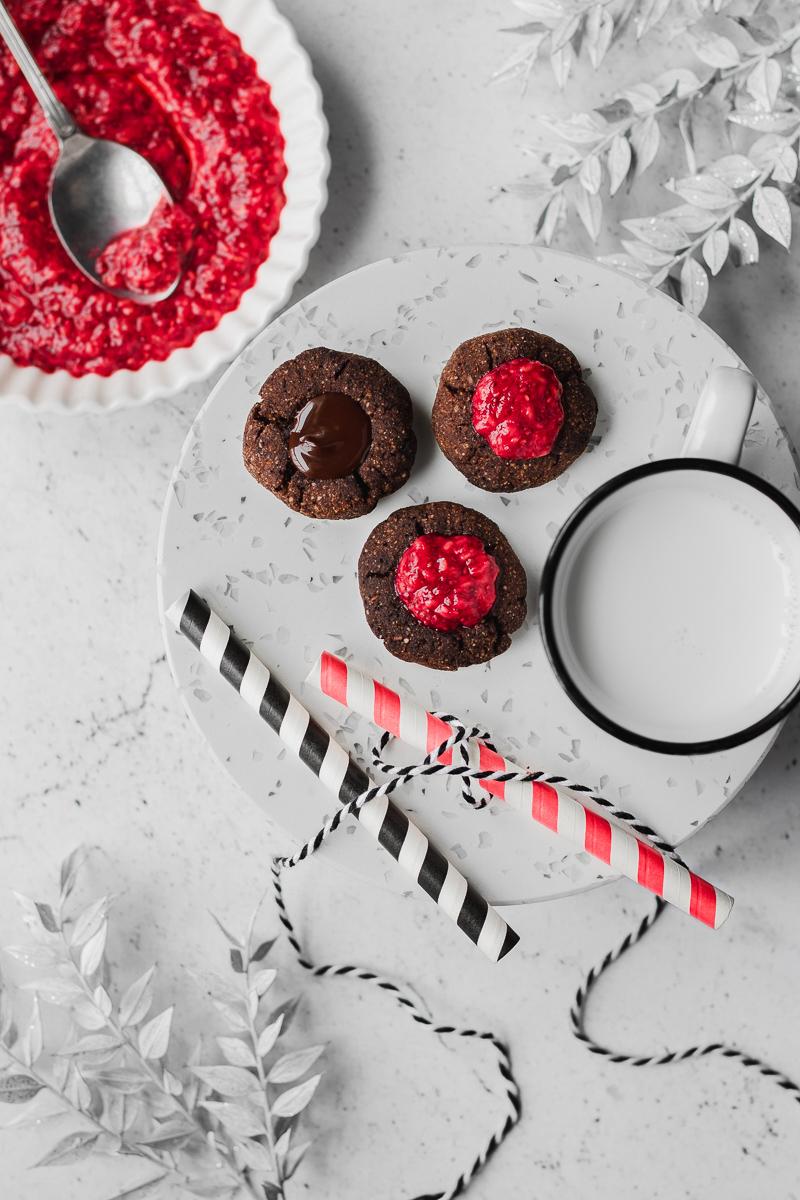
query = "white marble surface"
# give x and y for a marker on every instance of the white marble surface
(99, 750)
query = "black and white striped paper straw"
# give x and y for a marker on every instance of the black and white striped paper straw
(331, 763)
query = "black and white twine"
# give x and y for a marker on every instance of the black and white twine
(397, 992)
(432, 765)
(481, 923)
(578, 1013)
(283, 713)
(411, 1007)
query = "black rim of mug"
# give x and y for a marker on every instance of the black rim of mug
(546, 606)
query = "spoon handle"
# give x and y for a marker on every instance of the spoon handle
(60, 121)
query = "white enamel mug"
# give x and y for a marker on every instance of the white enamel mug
(670, 600)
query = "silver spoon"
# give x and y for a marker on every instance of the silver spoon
(98, 189)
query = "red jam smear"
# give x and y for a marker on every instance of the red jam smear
(166, 78)
(149, 258)
(447, 582)
(517, 408)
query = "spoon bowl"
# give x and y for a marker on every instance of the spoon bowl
(98, 191)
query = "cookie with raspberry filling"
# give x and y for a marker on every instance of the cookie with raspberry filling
(441, 586)
(512, 410)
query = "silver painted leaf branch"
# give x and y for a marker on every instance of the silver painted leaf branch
(223, 1130)
(248, 1096)
(754, 78)
(561, 30)
(621, 139)
(710, 224)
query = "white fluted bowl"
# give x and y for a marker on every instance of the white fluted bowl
(270, 40)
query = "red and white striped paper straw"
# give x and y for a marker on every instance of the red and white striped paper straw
(555, 807)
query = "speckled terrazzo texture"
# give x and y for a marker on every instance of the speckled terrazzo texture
(289, 584)
(470, 453)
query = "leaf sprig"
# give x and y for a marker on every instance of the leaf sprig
(216, 1130)
(755, 74)
(560, 30)
(709, 224)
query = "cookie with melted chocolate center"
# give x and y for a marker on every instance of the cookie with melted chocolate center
(331, 434)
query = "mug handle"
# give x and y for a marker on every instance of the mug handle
(722, 416)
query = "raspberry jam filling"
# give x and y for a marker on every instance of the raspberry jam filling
(166, 78)
(447, 582)
(517, 408)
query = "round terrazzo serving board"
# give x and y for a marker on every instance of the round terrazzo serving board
(287, 584)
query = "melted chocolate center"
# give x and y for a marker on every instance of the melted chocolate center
(330, 436)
